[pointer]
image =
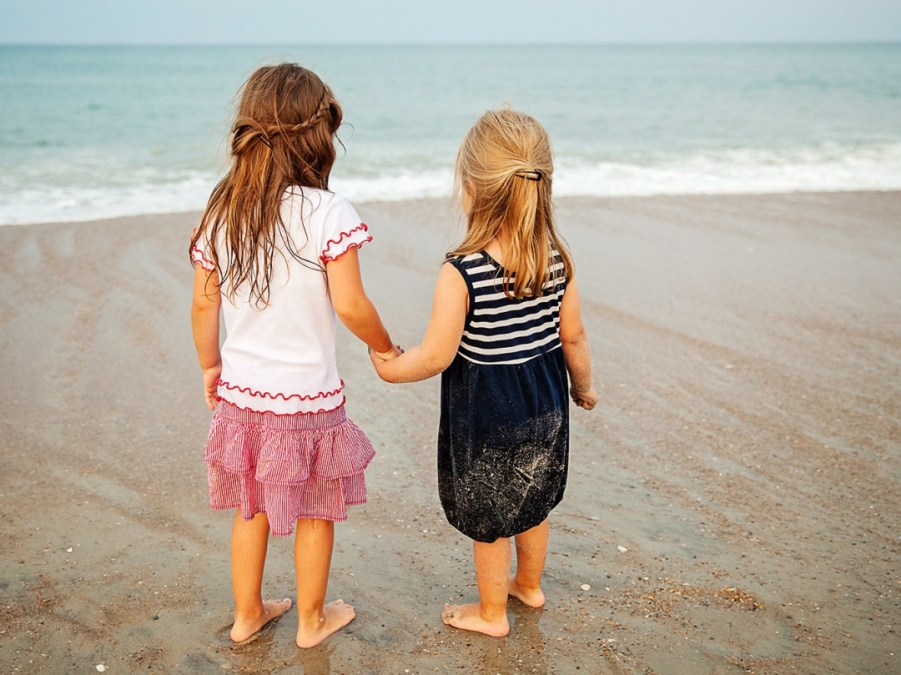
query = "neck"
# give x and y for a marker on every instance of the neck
(497, 248)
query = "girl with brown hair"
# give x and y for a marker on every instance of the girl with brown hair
(276, 251)
(506, 334)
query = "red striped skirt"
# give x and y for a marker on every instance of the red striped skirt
(308, 465)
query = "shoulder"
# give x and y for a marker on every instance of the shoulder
(338, 213)
(340, 226)
(469, 264)
(322, 210)
(557, 271)
(451, 280)
(314, 198)
(331, 203)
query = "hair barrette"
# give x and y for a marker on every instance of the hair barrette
(529, 175)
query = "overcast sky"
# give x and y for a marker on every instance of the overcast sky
(458, 22)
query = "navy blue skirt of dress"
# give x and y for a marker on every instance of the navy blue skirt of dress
(503, 439)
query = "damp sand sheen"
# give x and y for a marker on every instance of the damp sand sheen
(733, 501)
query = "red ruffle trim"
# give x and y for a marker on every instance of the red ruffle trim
(328, 257)
(284, 397)
(289, 414)
(198, 257)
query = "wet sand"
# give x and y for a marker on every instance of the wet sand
(734, 501)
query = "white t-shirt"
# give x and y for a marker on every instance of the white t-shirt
(281, 357)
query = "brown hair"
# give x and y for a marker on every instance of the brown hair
(283, 135)
(506, 165)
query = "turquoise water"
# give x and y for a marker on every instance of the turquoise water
(91, 132)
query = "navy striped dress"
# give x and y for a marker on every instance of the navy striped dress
(503, 440)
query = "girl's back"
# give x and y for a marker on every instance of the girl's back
(503, 434)
(275, 252)
(505, 330)
(280, 356)
(505, 334)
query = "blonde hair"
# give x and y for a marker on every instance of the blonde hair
(283, 135)
(506, 165)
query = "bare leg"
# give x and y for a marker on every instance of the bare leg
(250, 539)
(312, 559)
(489, 615)
(531, 550)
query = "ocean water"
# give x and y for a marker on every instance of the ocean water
(94, 132)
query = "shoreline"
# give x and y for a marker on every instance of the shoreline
(361, 204)
(733, 501)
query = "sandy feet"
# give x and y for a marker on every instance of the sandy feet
(533, 597)
(246, 630)
(335, 615)
(469, 617)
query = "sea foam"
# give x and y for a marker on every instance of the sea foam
(102, 132)
(826, 168)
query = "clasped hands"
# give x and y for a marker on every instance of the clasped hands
(381, 357)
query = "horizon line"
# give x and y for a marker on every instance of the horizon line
(672, 43)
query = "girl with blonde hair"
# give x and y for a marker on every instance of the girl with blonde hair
(506, 334)
(277, 252)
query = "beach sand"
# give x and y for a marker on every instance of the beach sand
(734, 503)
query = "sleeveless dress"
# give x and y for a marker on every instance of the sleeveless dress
(503, 438)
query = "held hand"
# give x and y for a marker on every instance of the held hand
(210, 384)
(585, 399)
(381, 357)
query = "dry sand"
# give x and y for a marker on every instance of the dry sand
(734, 499)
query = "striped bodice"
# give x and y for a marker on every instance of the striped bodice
(504, 330)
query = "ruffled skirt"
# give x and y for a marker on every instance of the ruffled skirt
(307, 465)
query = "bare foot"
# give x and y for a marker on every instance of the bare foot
(245, 630)
(469, 617)
(533, 597)
(335, 615)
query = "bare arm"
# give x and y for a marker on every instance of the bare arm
(205, 326)
(442, 337)
(353, 306)
(576, 349)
